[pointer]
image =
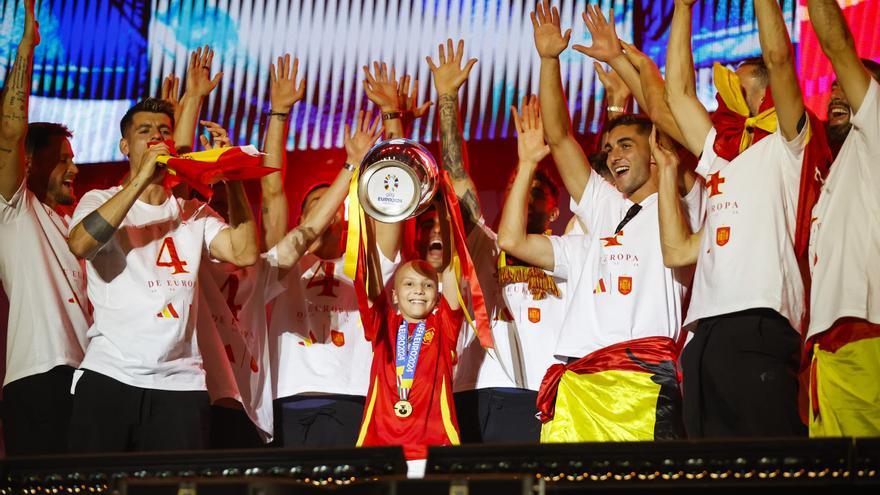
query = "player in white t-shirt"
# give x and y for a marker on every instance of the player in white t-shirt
(748, 299)
(843, 339)
(45, 284)
(320, 357)
(495, 391)
(142, 386)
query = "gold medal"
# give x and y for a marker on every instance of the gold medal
(403, 408)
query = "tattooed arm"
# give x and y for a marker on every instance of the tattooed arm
(14, 114)
(449, 75)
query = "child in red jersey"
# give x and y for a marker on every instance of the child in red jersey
(410, 399)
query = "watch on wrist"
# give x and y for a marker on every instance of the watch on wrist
(391, 115)
(350, 167)
(615, 108)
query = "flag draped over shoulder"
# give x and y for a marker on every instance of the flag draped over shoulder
(736, 130)
(624, 392)
(201, 169)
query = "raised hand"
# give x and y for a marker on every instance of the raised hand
(530, 131)
(198, 74)
(31, 35)
(450, 75)
(549, 40)
(409, 98)
(360, 141)
(219, 136)
(686, 3)
(636, 57)
(171, 93)
(605, 45)
(615, 89)
(381, 87)
(663, 152)
(284, 91)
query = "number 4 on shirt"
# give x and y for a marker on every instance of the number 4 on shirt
(169, 251)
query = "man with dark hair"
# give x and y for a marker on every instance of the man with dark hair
(624, 303)
(843, 338)
(44, 282)
(142, 385)
(740, 368)
(839, 118)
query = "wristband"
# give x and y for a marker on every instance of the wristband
(615, 108)
(350, 167)
(391, 115)
(280, 114)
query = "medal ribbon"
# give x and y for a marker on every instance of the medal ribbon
(406, 357)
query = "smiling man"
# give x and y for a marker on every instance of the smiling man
(44, 282)
(623, 299)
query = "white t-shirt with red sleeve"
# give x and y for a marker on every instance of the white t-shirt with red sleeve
(45, 285)
(845, 236)
(746, 257)
(142, 284)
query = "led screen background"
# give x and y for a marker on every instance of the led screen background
(97, 57)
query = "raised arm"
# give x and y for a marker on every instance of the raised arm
(681, 90)
(383, 90)
(607, 48)
(284, 92)
(199, 84)
(97, 228)
(450, 287)
(297, 241)
(837, 43)
(14, 110)
(567, 153)
(654, 89)
(778, 55)
(680, 247)
(449, 75)
(534, 249)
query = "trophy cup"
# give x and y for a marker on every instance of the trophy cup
(398, 179)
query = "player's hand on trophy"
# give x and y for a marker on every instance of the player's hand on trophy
(360, 141)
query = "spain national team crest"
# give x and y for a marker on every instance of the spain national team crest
(722, 235)
(429, 336)
(534, 315)
(338, 338)
(624, 285)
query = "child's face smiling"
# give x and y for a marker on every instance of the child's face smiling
(414, 294)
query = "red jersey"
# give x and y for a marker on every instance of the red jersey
(433, 420)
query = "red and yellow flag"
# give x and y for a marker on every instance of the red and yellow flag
(202, 169)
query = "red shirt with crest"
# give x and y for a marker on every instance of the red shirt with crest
(433, 420)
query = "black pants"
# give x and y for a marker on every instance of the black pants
(740, 377)
(36, 413)
(498, 415)
(321, 420)
(110, 416)
(233, 429)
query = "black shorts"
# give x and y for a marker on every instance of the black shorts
(110, 416)
(740, 377)
(498, 415)
(233, 429)
(36, 413)
(318, 420)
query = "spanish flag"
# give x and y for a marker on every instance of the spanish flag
(202, 169)
(844, 390)
(624, 392)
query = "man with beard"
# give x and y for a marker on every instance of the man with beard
(45, 283)
(844, 333)
(496, 390)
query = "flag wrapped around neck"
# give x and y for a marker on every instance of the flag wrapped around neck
(732, 123)
(202, 169)
(735, 129)
(356, 267)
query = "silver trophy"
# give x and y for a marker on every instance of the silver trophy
(398, 180)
